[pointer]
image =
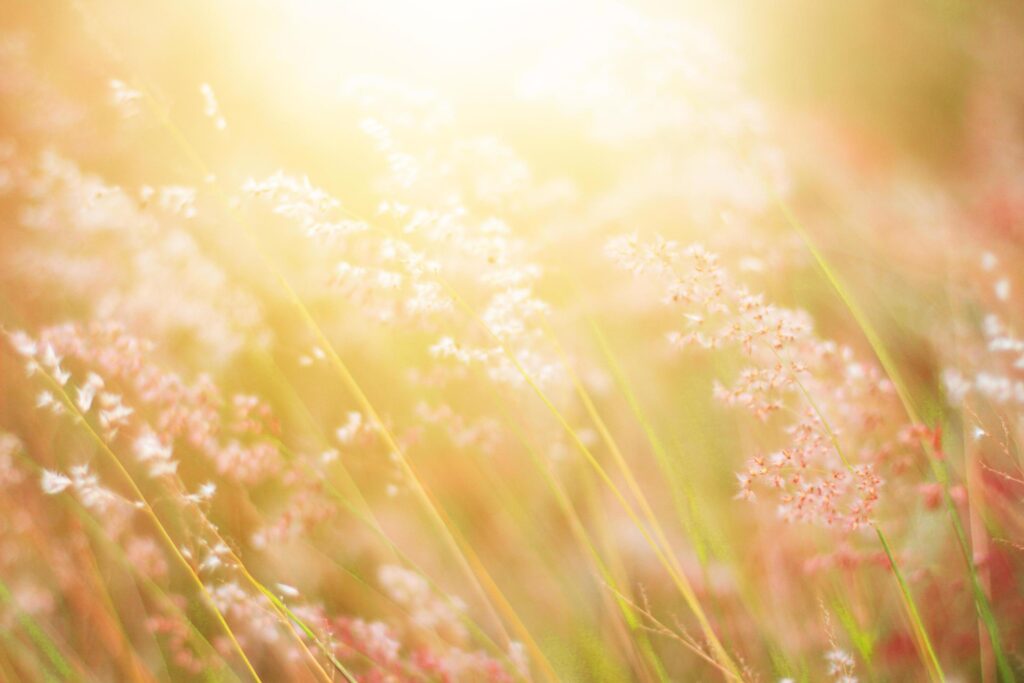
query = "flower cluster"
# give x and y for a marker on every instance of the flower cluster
(839, 415)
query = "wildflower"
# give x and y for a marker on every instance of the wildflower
(840, 665)
(785, 363)
(348, 431)
(54, 482)
(204, 493)
(114, 413)
(23, 344)
(87, 392)
(152, 452)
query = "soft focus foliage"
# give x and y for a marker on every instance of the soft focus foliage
(400, 341)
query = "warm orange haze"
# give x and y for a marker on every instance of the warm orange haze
(494, 341)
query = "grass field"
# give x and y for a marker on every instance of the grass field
(385, 340)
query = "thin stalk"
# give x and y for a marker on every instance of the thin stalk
(97, 531)
(582, 537)
(924, 643)
(690, 522)
(465, 557)
(147, 508)
(938, 468)
(682, 583)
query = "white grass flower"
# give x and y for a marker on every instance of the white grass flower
(87, 392)
(210, 562)
(50, 358)
(23, 344)
(54, 482)
(155, 454)
(61, 376)
(348, 431)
